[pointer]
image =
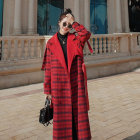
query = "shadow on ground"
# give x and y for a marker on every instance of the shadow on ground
(134, 137)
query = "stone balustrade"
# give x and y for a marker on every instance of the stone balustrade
(15, 48)
(104, 44)
(21, 57)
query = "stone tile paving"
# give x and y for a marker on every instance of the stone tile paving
(114, 110)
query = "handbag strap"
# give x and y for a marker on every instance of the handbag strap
(47, 102)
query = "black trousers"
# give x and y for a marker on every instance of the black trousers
(74, 131)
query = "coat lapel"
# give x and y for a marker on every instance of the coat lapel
(58, 52)
(70, 51)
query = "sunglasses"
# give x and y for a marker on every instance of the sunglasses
(67, 25)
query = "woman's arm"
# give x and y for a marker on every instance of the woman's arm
(83, 34)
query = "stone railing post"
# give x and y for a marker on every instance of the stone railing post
(124, 44)
(133, 43)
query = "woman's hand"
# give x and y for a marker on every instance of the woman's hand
(49, 96)
(70, 18)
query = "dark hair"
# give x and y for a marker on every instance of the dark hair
(63, 15)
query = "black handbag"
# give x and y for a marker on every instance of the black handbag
(46, 113)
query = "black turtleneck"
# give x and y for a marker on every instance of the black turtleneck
(63, 42)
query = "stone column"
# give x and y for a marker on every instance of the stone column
(118, 28)
(17, 17)
(111, 16)
(77, 10)
(126, 16)
(87, 14)
(31, 17)
(69, 4)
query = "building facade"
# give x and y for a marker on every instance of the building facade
(26, 26)
(39, 17)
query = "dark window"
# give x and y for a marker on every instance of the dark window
(98, 16)
(48, 14)
(134, 15)
(1, 16)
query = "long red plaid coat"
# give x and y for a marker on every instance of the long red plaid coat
(67, 85)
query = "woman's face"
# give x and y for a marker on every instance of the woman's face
(65, 26)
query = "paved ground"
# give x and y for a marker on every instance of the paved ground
(114, 110)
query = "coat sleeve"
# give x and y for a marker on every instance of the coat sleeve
(82, 34)
(82, 37)
(46, 66)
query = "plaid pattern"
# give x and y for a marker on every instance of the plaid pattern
(67, 85)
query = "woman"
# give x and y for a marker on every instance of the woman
(64, 81)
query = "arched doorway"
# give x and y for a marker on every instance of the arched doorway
(134, 15)
(48, 14)
(98, 16)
